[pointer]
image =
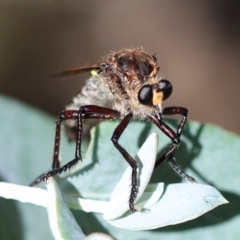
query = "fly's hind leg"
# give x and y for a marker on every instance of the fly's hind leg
(85, 112)
(64, 115)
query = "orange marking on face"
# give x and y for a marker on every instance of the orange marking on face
(157, 98)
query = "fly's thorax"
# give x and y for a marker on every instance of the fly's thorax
(133, 63)
(127, 69)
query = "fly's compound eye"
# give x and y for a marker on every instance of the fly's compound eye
(145, 95)
(152, 95)
(166, 87)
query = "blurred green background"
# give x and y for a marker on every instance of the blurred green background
(197, 44)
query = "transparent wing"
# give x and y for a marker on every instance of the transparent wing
(77, 70)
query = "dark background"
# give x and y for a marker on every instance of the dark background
(197, 44)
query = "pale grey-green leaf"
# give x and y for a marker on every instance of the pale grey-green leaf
(208, 153)
(179, 203)
(62, 221)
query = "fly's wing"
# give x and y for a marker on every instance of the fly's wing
(77, 70)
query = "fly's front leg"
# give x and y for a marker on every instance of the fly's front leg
(132, 162)
(174, 136)
(177, 111)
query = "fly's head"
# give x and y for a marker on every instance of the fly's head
(133, 74)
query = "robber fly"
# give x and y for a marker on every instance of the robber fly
(126, 86)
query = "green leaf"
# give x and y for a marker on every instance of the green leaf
(179, 203)
(207, 153)
(63, 224)
(25, 194)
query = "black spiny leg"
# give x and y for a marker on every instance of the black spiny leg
(85, 112)
(174, 136)
(64, 115)
(132, 162)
